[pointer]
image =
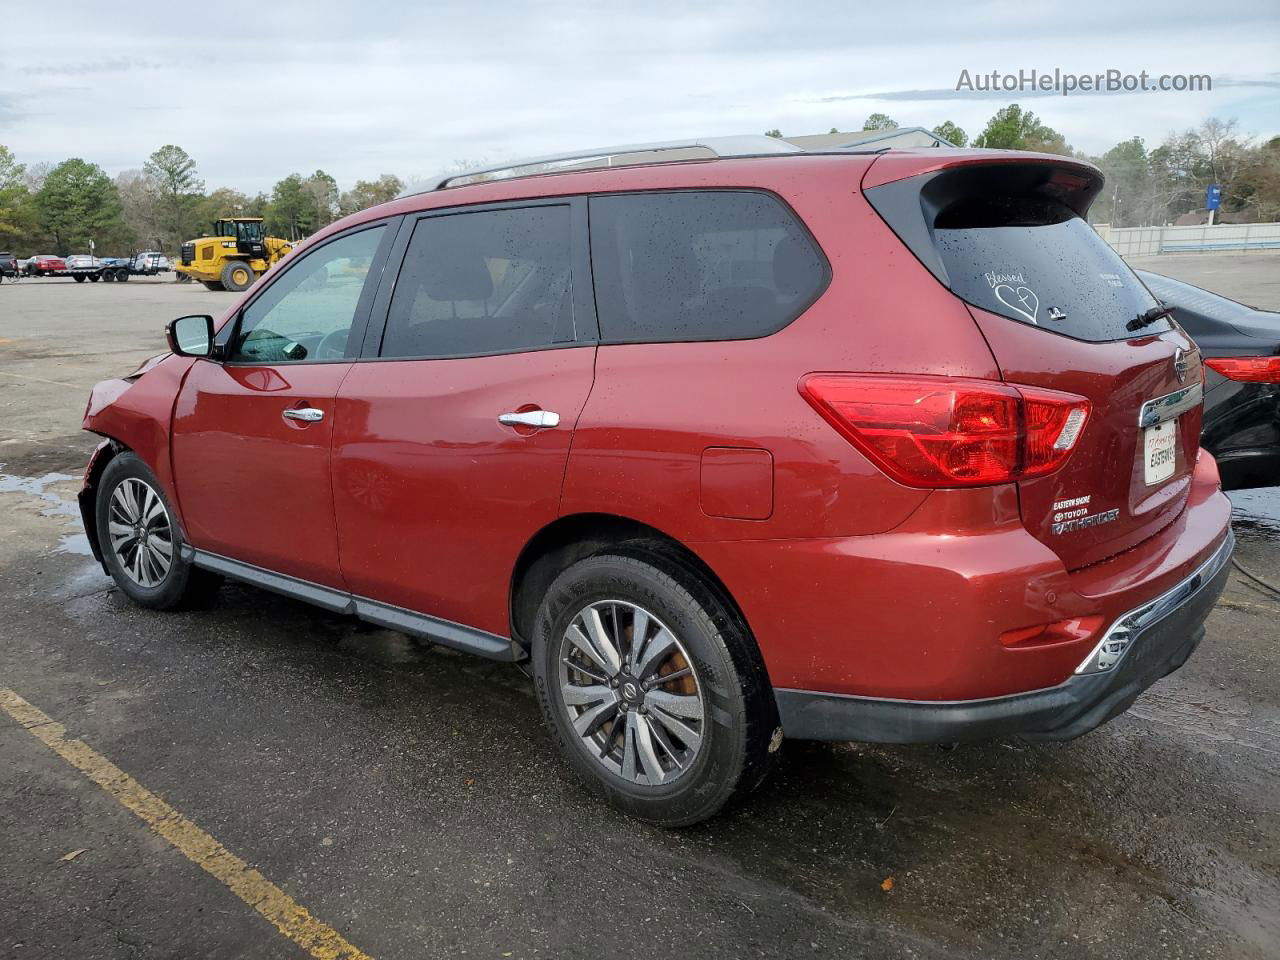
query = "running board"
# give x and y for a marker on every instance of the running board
(444, 632)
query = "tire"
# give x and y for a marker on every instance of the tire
(80, 278)
(212, 285)
(122, 275)
(237, 276)
(719, 746)
(108, 276)
(128, 493)
(94, 278)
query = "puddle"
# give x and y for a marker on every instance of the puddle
(74, 543)
(35, 486)
(56, 505)
(1257, 512)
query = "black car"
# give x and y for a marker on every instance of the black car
(8, 265)
(1241, 349)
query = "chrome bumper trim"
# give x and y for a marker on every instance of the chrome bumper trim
(1120, 635)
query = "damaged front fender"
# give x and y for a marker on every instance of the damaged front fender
(133, 413)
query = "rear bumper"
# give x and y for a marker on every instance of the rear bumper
(1161, 635)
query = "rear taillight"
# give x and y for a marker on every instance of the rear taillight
(950, 432)
(1247, 369)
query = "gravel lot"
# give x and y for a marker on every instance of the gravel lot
(407, 798)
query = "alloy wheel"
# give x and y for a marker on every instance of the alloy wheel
(140, 531)
(631, 693)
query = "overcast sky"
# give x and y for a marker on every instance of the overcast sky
(257, 91)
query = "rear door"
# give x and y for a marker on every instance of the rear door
(1060, 309)
(453, 436)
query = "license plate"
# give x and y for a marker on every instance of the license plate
(1160, 447)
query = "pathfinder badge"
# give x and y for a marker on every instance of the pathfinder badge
(1071, 515)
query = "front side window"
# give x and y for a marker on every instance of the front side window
(307, 313)
(483, 282)
(716, 265)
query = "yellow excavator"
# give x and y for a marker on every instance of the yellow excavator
(233, 257)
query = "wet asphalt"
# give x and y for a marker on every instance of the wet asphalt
(406, 796)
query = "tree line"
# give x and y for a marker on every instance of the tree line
(1145, 186)
(46, 208)
(60, 208)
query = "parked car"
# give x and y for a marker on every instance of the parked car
(46, 265)
(8, 265)
(1241, 345)
(724, 451)
(153, 261)
(84, 267)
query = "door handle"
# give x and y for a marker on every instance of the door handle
(530, 418)
(305, 414)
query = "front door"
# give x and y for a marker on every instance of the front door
(252, 435)
(450, 449)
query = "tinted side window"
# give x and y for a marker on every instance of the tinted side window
(307, 313)
(682, 265)
(486, 281)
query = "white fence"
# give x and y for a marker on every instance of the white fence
(1149, 241)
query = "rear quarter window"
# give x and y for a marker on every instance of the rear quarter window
(700, 265)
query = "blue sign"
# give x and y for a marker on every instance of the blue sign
(1213, 197)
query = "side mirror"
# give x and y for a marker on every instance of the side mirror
(191, 336)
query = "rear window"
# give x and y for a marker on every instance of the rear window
(689, 265)
(1041, 264)
(1010, 238)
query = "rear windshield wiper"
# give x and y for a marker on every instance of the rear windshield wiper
(1148, 318)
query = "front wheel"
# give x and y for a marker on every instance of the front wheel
(140, 541)
(653, 691)
(237, 276)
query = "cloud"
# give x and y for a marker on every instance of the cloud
(110, 65)
(8, 109)
(324, 84)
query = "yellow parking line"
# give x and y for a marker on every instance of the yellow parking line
(289, 917)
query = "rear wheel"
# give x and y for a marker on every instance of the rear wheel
(80, 278)
(94, 278)
(651, 689)
(122, 275)
(108, 276)
(237, 275)
(141, 542)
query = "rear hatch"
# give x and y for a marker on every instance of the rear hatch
(1061, 310)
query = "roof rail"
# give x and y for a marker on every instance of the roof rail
(748, 145)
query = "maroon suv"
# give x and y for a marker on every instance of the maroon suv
(886, 446)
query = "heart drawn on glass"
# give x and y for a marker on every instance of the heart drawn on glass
(1023, 300)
